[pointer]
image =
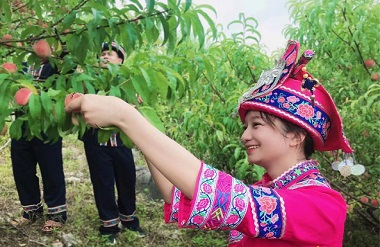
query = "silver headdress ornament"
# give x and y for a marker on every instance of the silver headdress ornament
(266, 83)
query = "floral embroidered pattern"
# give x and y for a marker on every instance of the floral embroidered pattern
(313, 179)
(175, 205)
(315, 117)
(269, 212)
(235, 236)
(294, 173)
(221, 201)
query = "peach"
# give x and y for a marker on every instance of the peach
(10, 67)
(375, 202)
(374, 76)
(72, 96)
(364, 199)
(4, 130)
(7, 37)
(42, 49)
(369, 63)
(22, 96)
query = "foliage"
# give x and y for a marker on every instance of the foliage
(191, 78)
(205, 121)
(76, 31)
(344, 35)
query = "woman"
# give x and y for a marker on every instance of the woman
(286, 116)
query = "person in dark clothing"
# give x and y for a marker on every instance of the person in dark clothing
(111, 164)
(25, 155)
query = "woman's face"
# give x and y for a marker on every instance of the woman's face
(265, 144)
(109, 56)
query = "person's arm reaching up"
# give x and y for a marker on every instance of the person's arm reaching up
(172, 160)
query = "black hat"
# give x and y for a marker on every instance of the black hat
(115, 47)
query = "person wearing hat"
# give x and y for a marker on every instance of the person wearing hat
(286, 116)
(111, 164)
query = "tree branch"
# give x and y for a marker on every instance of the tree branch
(214, 89)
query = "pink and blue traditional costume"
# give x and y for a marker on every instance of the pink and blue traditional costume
(298, 208)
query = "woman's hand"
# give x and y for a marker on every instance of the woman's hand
(99, 111)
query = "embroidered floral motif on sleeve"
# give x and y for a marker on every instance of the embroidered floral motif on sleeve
(221, 201)
(269, 212)
(235, 236)
(175, 205)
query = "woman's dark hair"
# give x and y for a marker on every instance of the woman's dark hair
(289, 127)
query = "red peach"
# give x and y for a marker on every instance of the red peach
(72, 96)
(375, 202)
(364, 199)
(42, 49)
(22, 96)
(10, 67)
(4, 130)
(7, 37)
(375, 77)
(369, 63)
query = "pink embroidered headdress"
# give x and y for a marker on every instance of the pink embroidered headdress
(289, 92)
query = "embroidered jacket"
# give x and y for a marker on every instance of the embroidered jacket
(297, 209)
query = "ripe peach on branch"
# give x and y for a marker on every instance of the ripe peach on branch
(68, 99)
(22, 96)
(364, 199)
(10, 67)
(71, 97)
(374, 76)
(375, 202)
(7, 37)
(369, 63)
(42, 49)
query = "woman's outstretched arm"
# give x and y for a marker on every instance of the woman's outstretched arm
(163, 184)
(173, 161)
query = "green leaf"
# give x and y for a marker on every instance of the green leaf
(6, 10)
(104, 135)
(187, 5)
(4, 92)
(15, 129)
(162, 84)
(46, 103)
(115, 91)
(152, 117)
(140, 85)
(126, 140)
(34, 106)
(60, 111)
(69, 20)
(150, 5)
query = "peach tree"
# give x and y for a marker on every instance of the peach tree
(345, 36)
(70, 35)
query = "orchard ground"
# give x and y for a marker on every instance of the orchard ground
(82, 225)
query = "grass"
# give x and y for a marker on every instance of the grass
(83, 222)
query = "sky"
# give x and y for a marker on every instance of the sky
(272, 16)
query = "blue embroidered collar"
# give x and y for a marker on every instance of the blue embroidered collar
(290, 175)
